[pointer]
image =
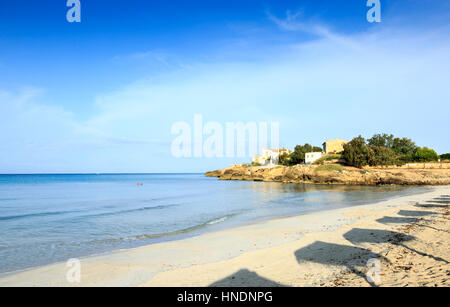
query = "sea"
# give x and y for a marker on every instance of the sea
(48, 218)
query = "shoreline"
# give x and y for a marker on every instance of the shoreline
(250, 254)
(237, 219)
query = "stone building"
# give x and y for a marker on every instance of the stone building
(334, 146)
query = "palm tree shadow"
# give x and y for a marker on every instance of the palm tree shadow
(246, 278)
(431, 206)
(389, 220)
(397, 220)
(447, 201)
(441, 198)
(336, 254)
(358, 236)
(413, 213)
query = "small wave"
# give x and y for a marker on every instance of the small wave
(222, 219)
(129, 211)
(44, 214)
(41, 214)
(8, 199)
(184, 230)
(171, 233)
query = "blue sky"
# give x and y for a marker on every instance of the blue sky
(102, 95)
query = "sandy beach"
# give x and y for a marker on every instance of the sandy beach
(408, 237)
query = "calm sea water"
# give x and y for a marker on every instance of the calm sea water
(51, 218)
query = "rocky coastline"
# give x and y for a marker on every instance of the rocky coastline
(344, 175)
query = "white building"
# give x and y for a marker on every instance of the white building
(312, 157)
(270, 157)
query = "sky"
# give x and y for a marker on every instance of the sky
(102, 95)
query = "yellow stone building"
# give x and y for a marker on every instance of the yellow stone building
(334, 146)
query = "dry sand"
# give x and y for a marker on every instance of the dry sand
(409, 235)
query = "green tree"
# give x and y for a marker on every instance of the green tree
(384, 149)
(381, 156)
(298, 156)
(405, 148)
(356, 152)
(404, 145)
(317, 149)
(381, 140)
(445, 156)
(284, 159)
(425, 155)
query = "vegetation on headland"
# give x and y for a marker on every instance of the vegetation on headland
(379, 150)
(298, 155)
(255, 164)
(327, 158)
(385, 150)
(329, 168)
(445, 156)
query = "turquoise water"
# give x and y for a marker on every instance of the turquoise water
(51, 218)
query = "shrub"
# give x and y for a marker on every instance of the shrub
(329, 168)
(298, 156)
(382, 140)
(355, 152)
(425, 155)
(405, 148)
(327, 158)
(284, 159)
(333, 157)
(381, 156)
(445, 156)
(384, 149)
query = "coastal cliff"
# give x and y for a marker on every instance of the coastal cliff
(336, 175)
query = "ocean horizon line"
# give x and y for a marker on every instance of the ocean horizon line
(76, 174)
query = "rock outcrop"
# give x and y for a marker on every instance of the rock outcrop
(347, 175)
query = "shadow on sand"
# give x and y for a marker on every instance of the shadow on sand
(389, 220)
(439, 201)
(397, 220)
(351, 257)
(245, 278)
(358, 236)
(335, 254)
(430, 206)
(413, 213)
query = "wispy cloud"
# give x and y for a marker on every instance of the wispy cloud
(150, 56)
(155, 59)
(297, 22)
